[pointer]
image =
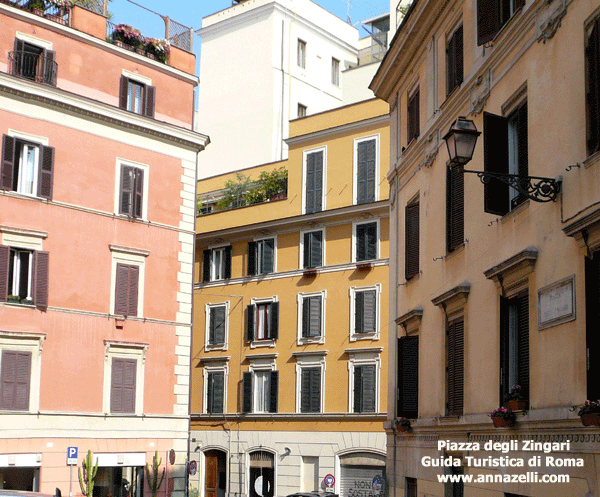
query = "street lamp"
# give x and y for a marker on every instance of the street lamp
(461, 140)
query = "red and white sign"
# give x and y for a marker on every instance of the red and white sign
(329, 481)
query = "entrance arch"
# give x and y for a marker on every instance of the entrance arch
(215, 473)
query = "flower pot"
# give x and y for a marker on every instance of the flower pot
(402, 428)
(590, 419)
(500, 422)
(517, 405)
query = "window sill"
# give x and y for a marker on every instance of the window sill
(364, 336)
(20, 304)
(262, 343)
(514, 212)
(216, 347)
(310, 340)
(592, 160)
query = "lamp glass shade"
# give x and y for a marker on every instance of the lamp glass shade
(461, 140)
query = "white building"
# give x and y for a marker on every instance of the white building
(263, 63)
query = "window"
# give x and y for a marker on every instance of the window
(408, 377)
(27, 167)
(24, 276)
(122, 385)
(124, 364)
(302, 54)
(262, 321)
(312, 317)
(454, 488)
(592, 315)
(364, 308)
(137, 96)
(15, 372)
(592, 68)
(335, 71)
(216, 264)
(215, 392)
(514, 345)
(311, 249)
(365, 241)
(302, 109)
(412, 117)
(492, 15)
(310, 389)
(505, 151)
(455, 207)
(455, 358)
(33, 62)
(260, 391)
(131, 191)
(127, 281)
(454, 61)
(364, 388)
(410, 485)
(365, 170)
(314, 168)
(411, 240)
(261, 256)
(217, 325)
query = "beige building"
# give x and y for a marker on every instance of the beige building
(494, 285)
(289, 355)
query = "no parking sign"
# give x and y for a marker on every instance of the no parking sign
(329, 481)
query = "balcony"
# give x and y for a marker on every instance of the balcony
(40, 67)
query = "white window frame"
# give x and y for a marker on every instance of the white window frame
(301, 55)
(213, 265)
(335, 71)
(367, 358)
(215, 368)
(29, 140)
(207, 310)
(300, 299)
(377, 138)
(302, 110)
(16, 273)
(27, 342)
(301, 253)
(269, 342)
(365, 336)
(258, 259)
(124, 350)
(309, 361)
(120, 162)
(134, 257)
(354, 238)
(260, 366)
(305, 154)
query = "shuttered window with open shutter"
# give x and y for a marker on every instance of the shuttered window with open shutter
(4, 269)
(313, 189)
(131, 194)
(24, 275)
(492, 15)
(365, 388)
(514, 345)
(411, 239)
(408, 376)
(262, 321)
(137, 97)
(592, 66)
(310, 389)
(366, 163)
(15, 380)
(495, 160)
(455, 367)
(42, 275)
(123, 383)
(455, 207)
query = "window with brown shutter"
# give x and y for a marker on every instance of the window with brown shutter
(15, 372)
(131, 196)
(123, 385)
(33, 62)
(24, 276)
(455, 207)
(455, 358)
(137, 97)
(592, 81)
(592, 325)
(126, 290)
(410, 485)
(411, 240)
(454, 61)
(413, 117)
(492, 15)
(27, 167)
(408, 377)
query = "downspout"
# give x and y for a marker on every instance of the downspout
(282, 120)
(393, 315)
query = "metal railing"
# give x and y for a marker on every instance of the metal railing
(52, 12)
(37, 67)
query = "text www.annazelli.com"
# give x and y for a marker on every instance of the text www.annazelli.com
(529, 477)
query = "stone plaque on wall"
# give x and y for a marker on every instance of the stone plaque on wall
(556, 303)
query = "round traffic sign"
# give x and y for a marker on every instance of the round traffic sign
(329, 481)
(192, 468)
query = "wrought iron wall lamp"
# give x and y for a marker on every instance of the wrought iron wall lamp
(461, 140)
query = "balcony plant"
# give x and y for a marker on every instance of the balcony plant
(514, 399)
(37, 6)
(157, 49)
(589, 413)
(503, 417)
(128, 36)
(402, 424)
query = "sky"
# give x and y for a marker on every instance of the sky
(190, 13)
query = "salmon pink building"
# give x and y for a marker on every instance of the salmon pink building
(97, 202)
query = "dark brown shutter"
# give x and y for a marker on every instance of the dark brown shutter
(216, 392)
(4, 265)
(206, 265)
(150, 101)
(504, 349)
(274, 392)
(274, 321)
(17, 69)
(523, 345)
(519, 4)
(250, 322)
(126, 290)
(41, 272)
(488, 20)
(495, 160)
(138, 192)
(251, 258)
(411, 245)
(123, 90)
(127, 190)
(227, 262)
(592, 60)
(522, 152)
(247, 392)
(408, 376)
(46, 172)
(16, 378)
(455, 207)
(123, 382)
(49, 67)
(411, 487)
(132, 302)
(413, 117)
(8, 162)
(454, 61)
(455, 367)
(592, 324)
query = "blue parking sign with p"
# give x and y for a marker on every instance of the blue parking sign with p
(71, 456)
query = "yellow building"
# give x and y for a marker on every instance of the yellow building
(494, 287)
(291, 315)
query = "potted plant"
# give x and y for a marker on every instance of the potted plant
(514, 399)
(589, 413)
(502, 417)
(127, 37)
(14, 298)
(403, 424)
(36, 6)
(157, 49)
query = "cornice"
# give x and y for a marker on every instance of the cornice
(458, 292)
(63, 101)
(344, 128)
(526, 257)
